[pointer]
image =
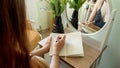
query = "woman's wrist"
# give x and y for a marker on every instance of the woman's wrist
(56, 52)
(57, 55)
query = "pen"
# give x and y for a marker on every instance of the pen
(58, 39)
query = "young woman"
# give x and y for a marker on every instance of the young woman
(97, 17)
(13, 39)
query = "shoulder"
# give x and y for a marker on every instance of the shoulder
(99, 3)
(38, 62)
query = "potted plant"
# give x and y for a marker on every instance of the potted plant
(75, 4)
(58, 7)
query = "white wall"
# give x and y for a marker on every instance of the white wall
(36, 11)
(111, 57)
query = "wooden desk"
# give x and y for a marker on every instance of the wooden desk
(91, 50)
(91, 53)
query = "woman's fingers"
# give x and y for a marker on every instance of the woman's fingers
(60, 38)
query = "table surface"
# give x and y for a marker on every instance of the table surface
(91, 52)
(83, 62)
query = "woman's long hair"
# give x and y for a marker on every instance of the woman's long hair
(13, 38)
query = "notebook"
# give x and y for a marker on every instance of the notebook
(73, 44)
(86, 29)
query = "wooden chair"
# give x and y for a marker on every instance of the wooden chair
(33, 36)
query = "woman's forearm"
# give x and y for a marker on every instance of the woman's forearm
(55, 62)
(93, 14)
(38, 52)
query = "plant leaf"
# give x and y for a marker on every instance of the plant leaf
(58, 6)
(76, 4)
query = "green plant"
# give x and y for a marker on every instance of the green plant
(58, 6)
(76, 4)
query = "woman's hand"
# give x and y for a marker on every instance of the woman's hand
(87, 23)
(91, 25)
(60, 41)
(46, 47)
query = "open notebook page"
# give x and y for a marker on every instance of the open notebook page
(73, 44)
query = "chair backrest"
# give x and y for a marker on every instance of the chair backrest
(33, 36)
(28, 25)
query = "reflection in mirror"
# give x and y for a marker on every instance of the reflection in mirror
(75, 4)
(88, 33)
(93, 15)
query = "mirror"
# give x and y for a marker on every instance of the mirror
(92, 16)
(99, 35)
